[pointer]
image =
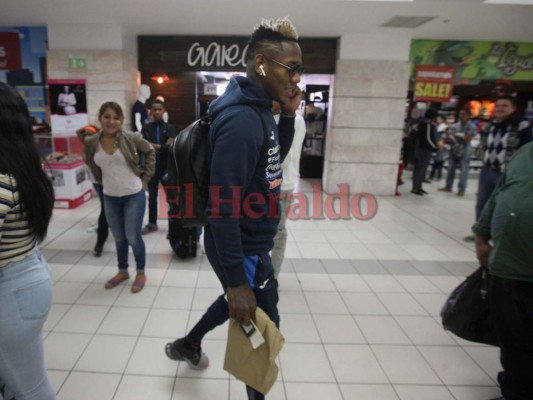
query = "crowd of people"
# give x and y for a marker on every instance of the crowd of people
(440, 141)
(124, 164)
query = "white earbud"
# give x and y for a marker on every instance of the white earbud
(262, 70)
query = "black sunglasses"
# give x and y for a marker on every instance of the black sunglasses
(293, 69)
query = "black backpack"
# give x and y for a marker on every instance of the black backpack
(188, 172)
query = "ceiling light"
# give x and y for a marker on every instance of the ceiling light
(160, 78)
(384, 1)
(510, 2)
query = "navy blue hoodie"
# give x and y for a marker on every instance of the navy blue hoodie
(245, 184)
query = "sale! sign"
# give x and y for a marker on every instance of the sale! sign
(433, 83)
(10, 58)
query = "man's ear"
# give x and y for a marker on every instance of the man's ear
(260, 61)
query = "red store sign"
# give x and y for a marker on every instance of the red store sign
(10, 58)
(433, 83)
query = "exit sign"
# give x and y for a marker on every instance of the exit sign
(79, 63)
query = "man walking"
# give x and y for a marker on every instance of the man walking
(246, 152)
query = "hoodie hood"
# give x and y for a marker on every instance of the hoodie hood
(240, 90)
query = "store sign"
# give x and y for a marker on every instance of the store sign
(10, 58)
(221, 53)
(511, 62)
(433, 83)
(476, 62)
(216, 55)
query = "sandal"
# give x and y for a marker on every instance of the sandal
(138, 284)
(117, 280)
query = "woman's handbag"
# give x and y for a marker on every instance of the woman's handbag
(466, 312)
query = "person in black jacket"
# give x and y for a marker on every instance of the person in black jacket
(426, 145)
(160, 134)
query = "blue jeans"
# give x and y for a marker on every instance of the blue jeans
(453, 163)
(488, 179)
(125, 215)
(25, 299)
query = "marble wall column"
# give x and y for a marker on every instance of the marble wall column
(111, 75)
(365, 126)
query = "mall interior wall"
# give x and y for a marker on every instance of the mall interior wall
(111, 72)
(367, 101)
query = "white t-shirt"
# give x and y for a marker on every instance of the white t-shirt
(118, 179)
(291, 164)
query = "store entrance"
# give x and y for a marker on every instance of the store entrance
(314, 109)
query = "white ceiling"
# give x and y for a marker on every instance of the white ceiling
(456, 19)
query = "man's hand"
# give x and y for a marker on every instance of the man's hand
(157, 147)
(292, 105)
(483, 249)
(242, 304)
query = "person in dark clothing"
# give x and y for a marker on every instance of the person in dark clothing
(245, 179)
(506, 221)
(438, 162)
(102, 231)
(160, 134)
(426, 145)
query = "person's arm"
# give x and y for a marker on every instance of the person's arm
(482, 228)
(427, 129)
(525, 133)
(138, 123)
(62, 100)
(145, 147)
(286, 123)
(469, 134)
(297, 142)
(286, 135)
(235, 153)
(171, 134)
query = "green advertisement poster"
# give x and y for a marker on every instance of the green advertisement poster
(475, 62)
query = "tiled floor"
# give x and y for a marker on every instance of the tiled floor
(359, 303)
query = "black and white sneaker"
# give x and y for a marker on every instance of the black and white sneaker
(179, 351)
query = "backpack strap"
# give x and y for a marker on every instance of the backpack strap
(265, 131)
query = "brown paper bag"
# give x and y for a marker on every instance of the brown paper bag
(256, 368)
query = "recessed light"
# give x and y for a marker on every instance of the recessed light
(510, 2)
(384, 1)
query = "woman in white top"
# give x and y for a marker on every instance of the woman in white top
(113, 157)
(26, 202)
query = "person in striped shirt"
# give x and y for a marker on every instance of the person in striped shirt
(26, 203)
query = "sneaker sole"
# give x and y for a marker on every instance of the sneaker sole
(176, 356)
